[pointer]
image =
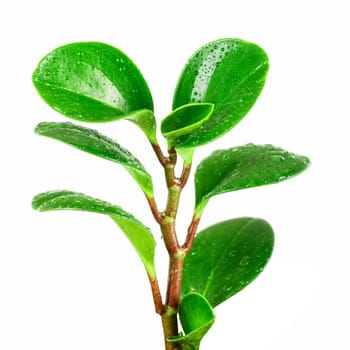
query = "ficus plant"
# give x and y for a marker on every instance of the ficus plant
(92, 82)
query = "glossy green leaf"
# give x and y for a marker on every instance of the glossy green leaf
(139, 235)
(226, 257)
(196, 317)
(194, 312)
(92, 82)
(93, 142)
(243, 167)
(230, 73)
(185, 120)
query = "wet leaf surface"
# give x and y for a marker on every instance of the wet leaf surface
(226, 257)
(139, 235)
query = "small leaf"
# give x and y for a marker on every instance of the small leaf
(91, 82)
(139, 235)
(185, 119)
(196, 317)
(226, 257)
(243, 167)
(230, 73)
(194, 312)
(91, 141)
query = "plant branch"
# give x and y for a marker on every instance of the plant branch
(192, 229)
(154, 209)
(157, 297)
(184, 176)
(159, 153)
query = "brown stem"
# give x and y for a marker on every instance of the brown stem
(157, 297)
(184, 176)
(158, 151)
(192, 229)
(175, 279)
(154, 209)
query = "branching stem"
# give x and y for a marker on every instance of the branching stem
(177, 253)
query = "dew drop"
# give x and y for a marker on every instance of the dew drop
(245, 261)
(277, 158)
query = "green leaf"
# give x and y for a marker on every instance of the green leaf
(185, 120)
(243, 167)
(91, 82)
(139, 235)
(194, 312)
(226, 257)
(230, 73)
(196, 317)
(93, 142)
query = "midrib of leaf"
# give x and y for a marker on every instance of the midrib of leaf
(82, 95)
(246, 77)
(230, 173)
(93, 134)
(209, 280)
(111, 210)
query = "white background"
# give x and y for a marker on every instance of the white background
(71, 280)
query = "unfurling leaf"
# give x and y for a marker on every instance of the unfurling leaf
(139, 235)
(196, 317)
(185, 119)
(230, 73)
(243, 167)
(93, 142)
(226, 257)
(92, 82)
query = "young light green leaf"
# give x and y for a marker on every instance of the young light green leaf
(95, 143)
(226, 257)
(185, 119)
(230, 73)
(196, 317)
(139, 235)
(92, 82)
(243, 167)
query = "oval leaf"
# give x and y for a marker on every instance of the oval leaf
(139, 235)
(93, 142)
(230, 73)
(243, 167)
(185, 119)
(196, 317)
(226, 257)
(92, 82)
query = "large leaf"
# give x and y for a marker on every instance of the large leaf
(196, 317)
(92, 82)
(93, 142)
(139, 235)
(230, 73)
(226, 257)
(243, 167)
